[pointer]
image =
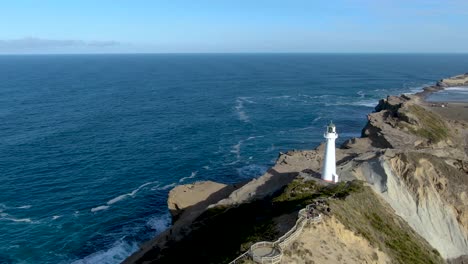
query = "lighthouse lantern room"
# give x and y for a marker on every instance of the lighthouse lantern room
(329, 162)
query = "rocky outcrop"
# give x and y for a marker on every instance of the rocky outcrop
(189, 197)
(459, 80)
(287, 167)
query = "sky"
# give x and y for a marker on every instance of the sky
(221, 26)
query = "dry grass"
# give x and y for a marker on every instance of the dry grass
(367, 215)
(430, 126)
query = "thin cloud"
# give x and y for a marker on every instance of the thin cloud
(41, 44)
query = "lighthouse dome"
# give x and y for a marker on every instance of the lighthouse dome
(331, 128)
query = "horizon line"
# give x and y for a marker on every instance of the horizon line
(235, 52)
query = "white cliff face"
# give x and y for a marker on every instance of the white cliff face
(417, 197)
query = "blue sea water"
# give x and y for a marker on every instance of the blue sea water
(450, 94)
(90, 145)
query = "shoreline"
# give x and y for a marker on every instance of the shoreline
(451, 110)
(276, 176)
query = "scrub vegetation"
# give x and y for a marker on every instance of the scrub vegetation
(221, 234)
(367, 215)
(430, 126)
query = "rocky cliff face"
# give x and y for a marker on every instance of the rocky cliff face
(429, 194)
(422, 171)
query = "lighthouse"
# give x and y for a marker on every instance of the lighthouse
(329, 163)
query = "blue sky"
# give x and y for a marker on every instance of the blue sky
(109, 26)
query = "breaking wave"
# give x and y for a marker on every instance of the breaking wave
(159, 223)
(119, 251)
(240, 108)
(194, 173)
(121, 197)
(7, 217)
(165, 187)
(99, 208)
(460, 89)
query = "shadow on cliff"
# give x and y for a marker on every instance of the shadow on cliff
(214, 235)
(221, 234)
(181, 221)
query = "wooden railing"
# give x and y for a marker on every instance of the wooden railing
(304, 217)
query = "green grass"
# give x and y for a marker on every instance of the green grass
(221, 234)
(431, 126)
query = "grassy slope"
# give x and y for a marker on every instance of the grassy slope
(366, 214)
(222, 234)
(431, 126)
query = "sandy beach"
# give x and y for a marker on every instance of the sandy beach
(450, 110)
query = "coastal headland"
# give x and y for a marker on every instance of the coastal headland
(402, 197)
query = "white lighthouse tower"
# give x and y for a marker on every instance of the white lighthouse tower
(329, 162)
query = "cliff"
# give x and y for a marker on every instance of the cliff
(402, 199)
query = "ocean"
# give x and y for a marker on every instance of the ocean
(90, 145)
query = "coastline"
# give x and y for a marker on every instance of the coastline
(375, 137)
(452, 110)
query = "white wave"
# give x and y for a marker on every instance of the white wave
(279, 97)
(415, 88)
(159, 223)
(194, 173)
(165, 187)
(119, 251)
(232, 163)
(130, 194)
(4, 207)
(460, 88)
(367, 103)
(252, 171)
(56, 217)
(118, 198)
(317, 119)
(121, 197)
(26, 220)
(236, 149)
(240, 109)
(323, 96)
(5, 216)
(253, 137)
(99, 208)
(206, 167)
(361, 94)
(247, 99)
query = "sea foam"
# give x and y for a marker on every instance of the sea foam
(115, 254)
(121, 197)
(159, 223)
